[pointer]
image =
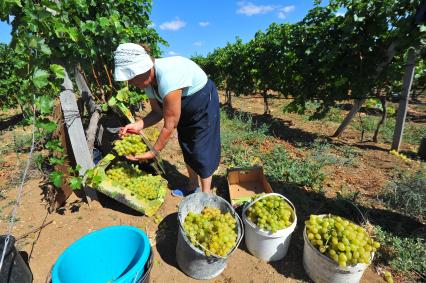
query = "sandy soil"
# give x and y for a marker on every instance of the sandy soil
(41, 249)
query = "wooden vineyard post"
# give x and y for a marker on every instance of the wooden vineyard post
(75, 131)
(422, 149)
(93, 109)
(403, 103)
(61, 194)
(355, 108)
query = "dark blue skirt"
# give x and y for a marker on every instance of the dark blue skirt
(199, 130)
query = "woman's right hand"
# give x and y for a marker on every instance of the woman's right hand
(132, 128)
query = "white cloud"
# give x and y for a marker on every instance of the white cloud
(204, 24)
(284, 11)
(173, 25)
(198, 43)
(250, 9)
(340, 14)
(172, 53)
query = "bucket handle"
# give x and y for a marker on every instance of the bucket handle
(246, 207)
(232, 250)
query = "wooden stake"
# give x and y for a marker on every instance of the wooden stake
(355, 108)
(403, 103)
(76, 134)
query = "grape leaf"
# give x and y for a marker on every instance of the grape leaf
(58, 70)
(56, 178)
(40, 78)
(75, 183)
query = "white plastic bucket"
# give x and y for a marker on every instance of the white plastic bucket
(322, 269)
(266, 245)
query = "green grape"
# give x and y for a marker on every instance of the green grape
(140, 184)
(130, 145)
(388, 277)
(272, 213)
(344, 242)
(217, 232)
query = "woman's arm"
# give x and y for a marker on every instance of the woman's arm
(152, 118)
(171, 114)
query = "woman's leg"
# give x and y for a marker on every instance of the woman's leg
(193, 179)
(206, 184)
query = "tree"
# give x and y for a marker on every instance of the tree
(49, 35)
(328, 57)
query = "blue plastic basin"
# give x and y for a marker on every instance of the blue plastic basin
(114, 254)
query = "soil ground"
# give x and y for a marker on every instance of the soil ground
(41, 249)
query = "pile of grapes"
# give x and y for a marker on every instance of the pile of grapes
(130, 145)
(271, 213)
(344, 242)
(140, 184)
(215, 231)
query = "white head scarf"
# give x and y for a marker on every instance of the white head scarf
(131, 60)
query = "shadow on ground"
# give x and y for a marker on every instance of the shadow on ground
(277, 127)
(310, 202)
(166, 238)
(173, 176)
(11, 121)
(283, 130)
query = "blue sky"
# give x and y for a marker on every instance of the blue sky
(198, 26)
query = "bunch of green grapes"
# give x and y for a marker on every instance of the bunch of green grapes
(215, 231)
(130, 145)
(271, 213)
(124, 172)
(343, 241)
(140, 184)
(149, 186)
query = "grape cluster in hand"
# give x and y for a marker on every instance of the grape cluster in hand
(271, 213)
(130, 145)
(344, 242)
(215, 231)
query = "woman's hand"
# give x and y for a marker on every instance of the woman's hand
(132, 128)
(147, 155)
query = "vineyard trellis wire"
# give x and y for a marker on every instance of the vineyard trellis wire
(20, 191)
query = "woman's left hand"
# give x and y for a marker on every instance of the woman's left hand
(147, 155)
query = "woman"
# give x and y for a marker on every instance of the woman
(180, 93)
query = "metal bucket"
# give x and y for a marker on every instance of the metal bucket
(191, 260)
